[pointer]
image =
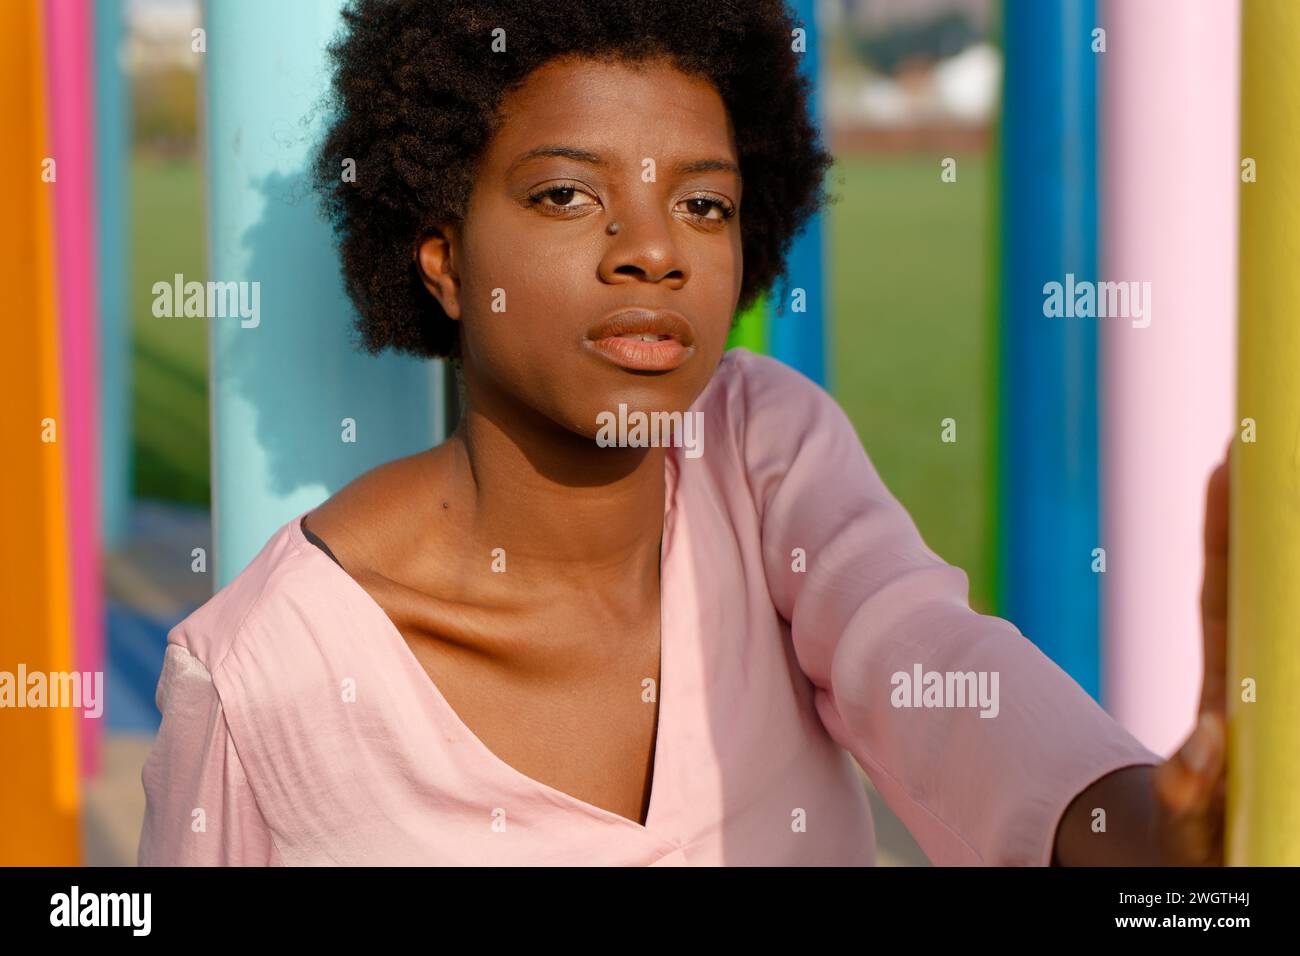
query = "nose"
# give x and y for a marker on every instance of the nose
(643, 249)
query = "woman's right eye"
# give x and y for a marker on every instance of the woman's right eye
(561, 196)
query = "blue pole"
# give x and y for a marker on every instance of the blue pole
(1047, 388)
(284, 390)
(799, 338)
(112, 149)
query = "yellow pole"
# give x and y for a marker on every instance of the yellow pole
(39, 810)
(1264, 565)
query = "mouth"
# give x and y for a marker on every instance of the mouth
(645, 340)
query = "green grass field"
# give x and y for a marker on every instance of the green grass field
(170, 365)
(909, 345)
(908, 266)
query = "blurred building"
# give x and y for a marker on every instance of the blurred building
(159, 35)
(911, 74)
(163, 68)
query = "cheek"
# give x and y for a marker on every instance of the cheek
(718, 275)
(521, 301)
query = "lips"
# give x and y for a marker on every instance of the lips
(648, 340)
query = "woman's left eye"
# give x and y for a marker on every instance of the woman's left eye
(703, 206)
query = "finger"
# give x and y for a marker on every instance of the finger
(1189, 792)
(1187, 782)
(1214, 588)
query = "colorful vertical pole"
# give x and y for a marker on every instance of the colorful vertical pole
(798, 338)
(1264, 562)
(1048, 397)
(751, 328)
(39, 801)
(1169, 237)
(69, 67)
(112, 127)
(297, 411)
(993, 571)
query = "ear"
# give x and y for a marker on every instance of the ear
(435, 257)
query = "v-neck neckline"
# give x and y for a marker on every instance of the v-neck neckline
(434, 693)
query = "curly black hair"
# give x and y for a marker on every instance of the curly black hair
(414, 101)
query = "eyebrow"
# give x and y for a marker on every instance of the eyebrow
(586, 156)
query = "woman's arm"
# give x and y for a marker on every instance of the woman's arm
(869, 605)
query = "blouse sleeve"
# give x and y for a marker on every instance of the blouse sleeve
(975, 785)
(199, 809)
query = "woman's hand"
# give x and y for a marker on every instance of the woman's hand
(1190, 786)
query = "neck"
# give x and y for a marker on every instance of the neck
(564, 509)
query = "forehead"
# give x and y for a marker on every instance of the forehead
(645, 108)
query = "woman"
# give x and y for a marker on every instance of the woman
(547, 641)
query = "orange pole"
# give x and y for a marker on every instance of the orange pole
(39, 799)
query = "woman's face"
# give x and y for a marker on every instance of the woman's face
(533, 274)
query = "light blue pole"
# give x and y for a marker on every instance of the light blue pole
(112, 236)
(799, 338)
(283, 389)
(1048, 380)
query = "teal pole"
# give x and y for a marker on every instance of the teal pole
(112, 235)
(286, 383)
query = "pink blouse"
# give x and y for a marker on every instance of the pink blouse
(799, 607)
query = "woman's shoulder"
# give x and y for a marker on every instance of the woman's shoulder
(361, 522)
(290, 598)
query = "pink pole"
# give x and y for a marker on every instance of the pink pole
(70, 67)
(1169, 179)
